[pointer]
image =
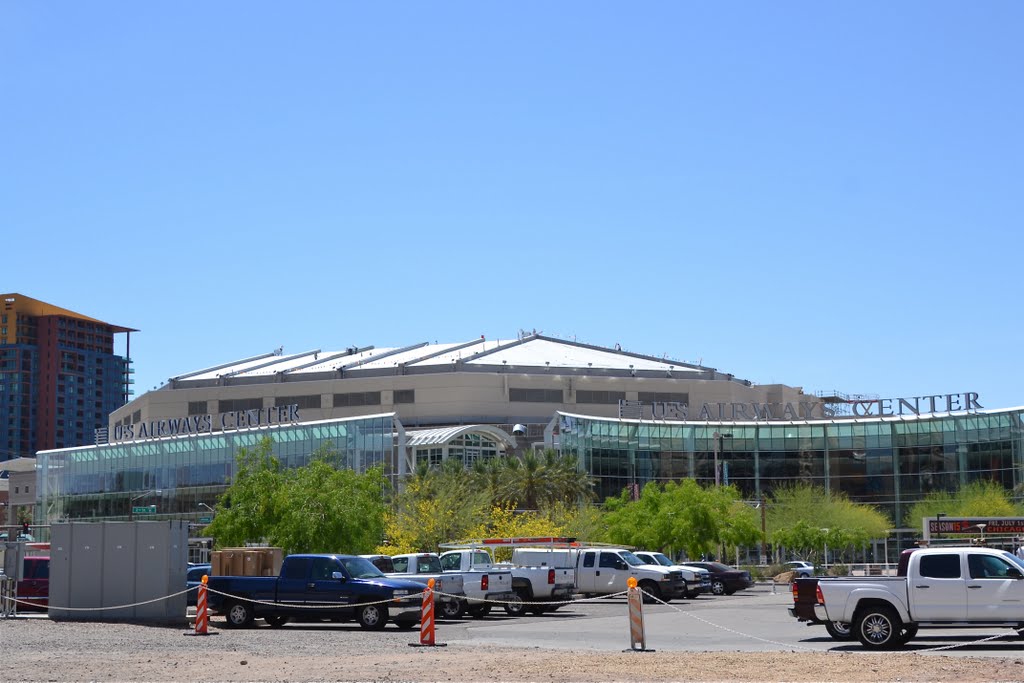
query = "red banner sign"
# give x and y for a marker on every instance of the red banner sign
(973, 525)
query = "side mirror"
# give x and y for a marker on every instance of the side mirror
(338, 575)
(1014, 573)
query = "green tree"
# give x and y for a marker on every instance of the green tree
(585, 522)
(315, 508)
(433, 506)
(539, 481)
(246, 511)
(323, 508)
(682, 514)
(494, 497)
(530, 480)
(570, 485)
(804, 519)
(977, 499)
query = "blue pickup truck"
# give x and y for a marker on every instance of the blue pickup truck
(314, 587)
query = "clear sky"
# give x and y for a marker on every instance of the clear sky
(827, 195)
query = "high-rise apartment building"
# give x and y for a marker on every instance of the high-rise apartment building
(59, 376)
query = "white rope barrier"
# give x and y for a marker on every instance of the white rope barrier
(479, 601)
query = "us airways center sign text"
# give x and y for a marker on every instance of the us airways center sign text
(800, 410)
(204, 424)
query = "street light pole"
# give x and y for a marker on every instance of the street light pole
(715, 438)
(764, 534)
(131, 503)
(825, 542)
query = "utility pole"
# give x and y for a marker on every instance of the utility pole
(764, 534)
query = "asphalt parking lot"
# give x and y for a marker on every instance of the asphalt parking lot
(754, 620)
(749, 621)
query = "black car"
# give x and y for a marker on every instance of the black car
(194, 577)
(724, 579)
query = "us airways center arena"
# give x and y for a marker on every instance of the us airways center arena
(629, 418)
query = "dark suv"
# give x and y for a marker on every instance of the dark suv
(724, 579)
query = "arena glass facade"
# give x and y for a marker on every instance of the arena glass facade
(180, 475)
(888, 462)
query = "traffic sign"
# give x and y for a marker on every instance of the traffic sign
(205, 520)
(143, 509)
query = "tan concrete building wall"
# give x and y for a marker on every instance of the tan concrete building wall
(455, 397)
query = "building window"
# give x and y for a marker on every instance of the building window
(658, 397)
(197, 407)
(239, 404)
(304, 402)
(405, 396)
(600, 397)
(358, 398)
(535, 395)
(136, 416)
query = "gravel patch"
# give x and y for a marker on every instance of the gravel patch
(37, 649)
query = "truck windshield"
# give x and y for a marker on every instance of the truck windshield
(659, 558)
(631, 559)
(428, 564)
(360, 568)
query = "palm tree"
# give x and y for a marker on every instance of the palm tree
(489, 475)
(570, 484)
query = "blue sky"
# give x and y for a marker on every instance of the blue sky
(827, 195)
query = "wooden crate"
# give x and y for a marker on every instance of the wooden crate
(232, 562)
(274, 560)
(215, 563)
(252, 562)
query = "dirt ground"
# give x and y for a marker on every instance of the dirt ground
(41, 650)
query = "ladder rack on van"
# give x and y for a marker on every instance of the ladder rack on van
(530, 541)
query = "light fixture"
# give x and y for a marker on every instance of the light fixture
(131, 502)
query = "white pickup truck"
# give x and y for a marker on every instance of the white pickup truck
(943, 588)
(421, 567)
(539, 587)
(606, 571)
(484, 584)
(698, 579)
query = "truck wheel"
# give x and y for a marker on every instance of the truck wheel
(839, 630)
(651, 591)
(452, 609)
(239, 615)
(878, 628)
(372, 617)
(516, 606)
(276, 622)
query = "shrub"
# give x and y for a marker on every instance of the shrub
(757, 573)
(839, 570)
